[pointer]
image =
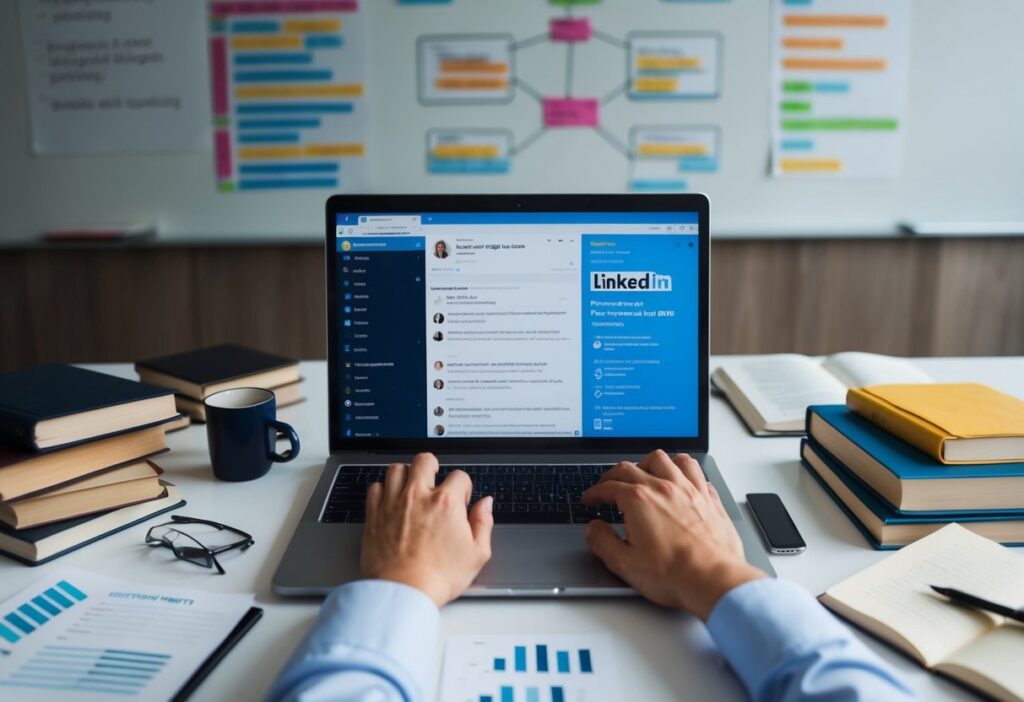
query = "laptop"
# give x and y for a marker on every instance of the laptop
(531, 340)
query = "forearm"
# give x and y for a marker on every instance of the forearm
(786, 646)
(373, 639)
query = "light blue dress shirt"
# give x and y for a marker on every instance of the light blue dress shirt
(377, 641)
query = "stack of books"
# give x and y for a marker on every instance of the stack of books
(195, 375)
(902, 461)
(75, 458)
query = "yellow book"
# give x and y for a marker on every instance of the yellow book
(952, 422)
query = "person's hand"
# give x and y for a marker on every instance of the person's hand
(422, 535)
(681, 549)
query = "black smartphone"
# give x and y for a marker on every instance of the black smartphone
(777, 527)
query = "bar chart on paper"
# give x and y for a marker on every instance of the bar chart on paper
(79, 636)
(839, 82)
(288, 81)
(565, 668)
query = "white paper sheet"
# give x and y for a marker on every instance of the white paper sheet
(75, 635)
(565, 668)
(839, 83)
(116, 75)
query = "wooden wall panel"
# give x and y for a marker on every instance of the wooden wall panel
(898, 296)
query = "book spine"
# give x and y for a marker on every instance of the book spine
(17, 429)
(900, 424)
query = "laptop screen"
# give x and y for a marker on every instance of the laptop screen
(539, 325)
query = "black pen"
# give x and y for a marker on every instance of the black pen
(974, 601)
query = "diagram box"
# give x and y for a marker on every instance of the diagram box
(663, 156)
(674, 65)
(465, 69)
(469, 151)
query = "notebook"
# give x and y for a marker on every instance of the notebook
(56, 404)
(885, 528)
(893, 600)
(904, 476)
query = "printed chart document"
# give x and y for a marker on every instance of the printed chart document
(566, 668)
(115, 75)
(76, 635)
(839, 83)
(288, 82)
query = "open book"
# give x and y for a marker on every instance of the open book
(772, 393)
(894, 601)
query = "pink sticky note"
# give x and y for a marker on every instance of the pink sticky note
(570, 29)
(219, 75)
(570, 112)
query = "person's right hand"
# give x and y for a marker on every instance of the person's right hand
(681, 549)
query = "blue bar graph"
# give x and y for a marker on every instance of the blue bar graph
(33, 614)
(486, 698)
(499, 664)
(7, 634)
(46, 605)
(796, 144)
(803, 3)
(71, 590)
(520, 659)
(285, 168)
(278, 59)
(323, 41)
(278, 123)
(563, 661)
(282, 138)
(20, 623)
(282, 76)
(532, 694)
(703, 164)
(288, 183)
(832, 87)
(542, 658)
(508, 694)
(58, 597)
(557, 694)
(585, 665)
(255, 26)
(293, 107)
(643, 185)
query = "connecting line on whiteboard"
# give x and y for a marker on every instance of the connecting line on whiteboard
(532, 41)
(615, 93)
(568, 68)
(528, 141)
(613, 142)
(529, 90)
(609, 39)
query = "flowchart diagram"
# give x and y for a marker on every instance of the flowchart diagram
(478, 69)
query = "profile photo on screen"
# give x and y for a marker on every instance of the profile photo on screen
(440, 249)
(439, 384)
(438, 365)
(439, 411)
(438, 318)
(438, 336)
(439, 430)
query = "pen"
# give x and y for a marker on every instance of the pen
(975, 601)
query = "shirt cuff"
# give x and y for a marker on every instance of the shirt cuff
(761, 624)
(378, 625)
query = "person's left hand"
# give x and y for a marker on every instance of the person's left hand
(422, 535)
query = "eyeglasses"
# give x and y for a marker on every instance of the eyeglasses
(188, 548)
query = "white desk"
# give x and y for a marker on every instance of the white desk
(664, 656)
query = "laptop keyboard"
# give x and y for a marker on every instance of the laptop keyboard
(533, 494)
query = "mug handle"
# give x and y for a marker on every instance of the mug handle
(285, 430)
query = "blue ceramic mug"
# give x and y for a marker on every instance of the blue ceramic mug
(242, 430)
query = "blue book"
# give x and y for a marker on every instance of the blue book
(885, 528)
(909, 480)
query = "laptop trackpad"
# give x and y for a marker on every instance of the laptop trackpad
(542, 557)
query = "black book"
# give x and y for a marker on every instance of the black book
(56, 404)
(38, 545)
(200, 373)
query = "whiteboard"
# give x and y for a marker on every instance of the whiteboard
(964, 157)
